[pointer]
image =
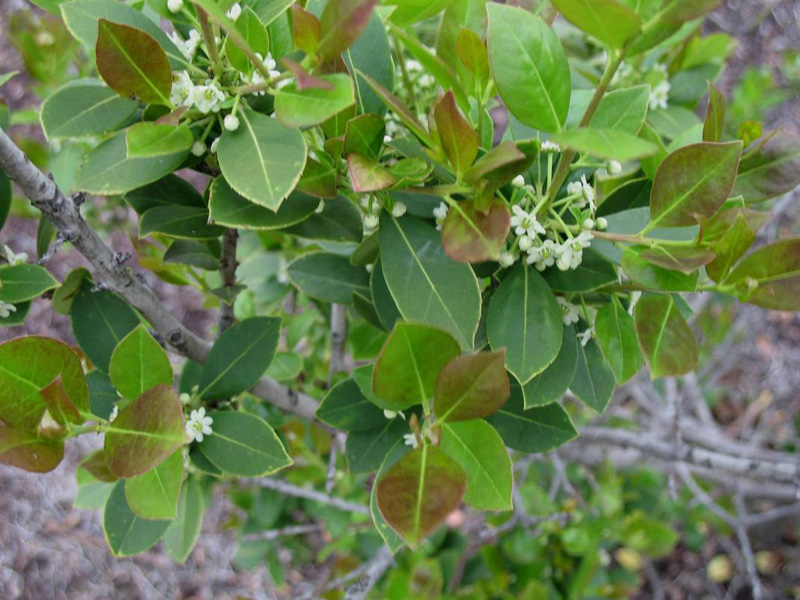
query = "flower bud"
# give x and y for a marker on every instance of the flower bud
(602, 223)
(613, 167)
(198, 148)
(175, 6)
(518, 181)
(588, 224)
(398, 210)
(506, 259)
(371, 221)
(231, 122)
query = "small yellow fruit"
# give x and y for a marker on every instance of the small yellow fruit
(720, 569)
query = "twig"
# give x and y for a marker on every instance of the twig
(291, 530)
(747, 549)
(309, 494)
(227, 270)
(330, 479)
(374, 571)
(653, 579)
(338, 338)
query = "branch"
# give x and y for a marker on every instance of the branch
(338, 338)
(227, 270)
(309, 494)
(747, 549)
(374, 571)
(64, 213)
(291, 530)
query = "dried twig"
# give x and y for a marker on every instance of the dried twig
(309, 494)
(375, 569)
(747, 548)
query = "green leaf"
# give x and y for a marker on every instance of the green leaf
(680, 11)
(409, 364)
(480, 452)
(552, 383)
(263, 159)
(108, 170)
(692, 183)
(99, 322)
(729, 234)
(83, 108)
(328, 277)
(667, 341)
(196, 254)
(311, 106)
(167, 191)
(370, 55)
(92, 493)
(683, 259)
(28, 451)
(471, 387)
(127, 533)
(714, 125)
(342, 23)
(318, 180)
(367, 175)
(154, 495)
(535, 85)
(138, 364)
(534, 430)
(182, 533)
(500, 164)
(233, 210)
(253, 31)
(132, 63)
(400, 110)
(654, 277)
(285, 366)
(269, 10)
(607, 20)
(593, 273)
(364, 135)
(148, 139)
(102, 395)
(594, 379)
(385, 306)
(183, 222)
(773, 170)
(345, 407)
(426, 284)
(365, 449)
(472, 235)
(240, 357)
(244, 445)
(419, 491)
(30, 364)
(18, 316)
(473, 54)
(622, 110)
(616, 335)
(606, 143)
(770, 276)
(19, 283)
(525, 318)
(339, 221)
(145, 432)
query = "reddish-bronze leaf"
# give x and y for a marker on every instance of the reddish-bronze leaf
(473, 54)
(58, 402)
(28, 451)
(133, 63)
(305, 81)
(318, 180)
(729, 234)
(771, 170)
(418, 492)
(667, 341)
(96, 464)
(366, 175)
(306, 29)
(500, 156)
(145, 432)
(685, 260)
(459, 140)
(715, 115)
(471, 235)
(342, 22)
(770, 276)
(472, 387)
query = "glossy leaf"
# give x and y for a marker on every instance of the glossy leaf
(611, 22)
(409, 364)
(364, 136)
(683, 259)
(654, 277)
(230, 209)
(606, 143)
(714, 125)
(770, 276)
(244, 445)
(400, 110)
(730, 233)
(285, 366)
(28, 451)
(126, 532)
(239, 357)
(552, 383)
(203, 255)
(145, 432)
(622, 110)
(345, 407)
(182, 533)
(667, 341)
(328, 277)
(339, 221)
(185, 222)
(311, 106)
(471, 235)
(459, 140)
(385, 306)
(370, 55)
(138, 364)
(149, 139)
(426, 284)
(480, 452)
(474, 55)
(535, 85)
(593, 273)
(594, 379)
(525, 319)
(22, 282)
(154, 495)
(83, 108)
(342, 23)
(306, 29)
(419, 491)
(365, 449)
(319, 180)
(102, 394)
(253, 31)
(167, 191)
(471, 386)
(497, 160)
(389, 535)
(774, 169)
(693, 182)
(616, 336)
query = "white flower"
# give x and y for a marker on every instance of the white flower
(549, 146)
(181, 88)
(175, 6)
(518, 181)
(393, 414)
(188, 47)
(198, 148)
(234, 12)
(114, 414)
(569, 312)
(525, 223)
(588, 193)
(15, 259)
(391, 129)
(602, 223)
(206, 98)
(565, 258)
(585, 336)
(6, 309)
(543, 255)
(426, 81)
(399, 210)
(231, 122)
(525, 242)
(633, 300)
(574, 187)
(199, 425)
(413, 66)
(583, 240)
(659, 96)
(370, 221)
(614, 167)
(214, 145)
(440, 212)
(507, 259)
(410, 439)
(387, 139)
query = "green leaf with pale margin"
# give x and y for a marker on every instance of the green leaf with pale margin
(471, 387)
(240, 357)
(693, 182)
(182, 533)
(145, 432)
(233, 210)
(525, 319)
(311, 106)
(656, 278)
(472, 235)
(419, 491)
(127, 533)
(345, 407)
(254, 32)
(616, 335)
(244, 445)
(776, 271)
(480, 452)
(328, 277)
(28, 451)
(667, 341)
(534, 85)
(606, 143)
(678, 258)
(365, 449)
(148, 139)
(607, 20)
(30, 364)
(370, 55)
(773, 170)
(183, 222)
(263, 159)
(99, 322)
(622, 110)
(18, 316)
(132, 63)
(342, 23)
(594, 379)
(19, 283)
(138, 364)
(339, 221)
(154, 495)
(593, 273)
(427, 285)
(167, 191)
(84, 108)
(318, 180)
(395, 453)
(552, 383)
(364, 135)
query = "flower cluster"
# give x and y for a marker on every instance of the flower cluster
(206, 98)
(372, 209)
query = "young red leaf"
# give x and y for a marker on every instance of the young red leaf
(770, 276)
(715, 115)
(473, 55)
(133, 63)
(366, 175)
(28, 451)
(96, 464)
(471, 235)
(59, 404)
(667, 341)
(729, 234)
(342, 22)
(685, 260)
(771, 170)
(306, 29)
(305, 81)
(318, 180)
(419, 491)
(459, 139)
(471, 387)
